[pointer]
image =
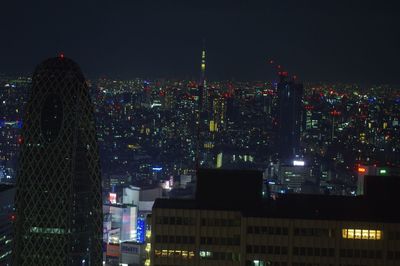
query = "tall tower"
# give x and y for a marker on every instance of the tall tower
(289, 118)
(58, 200)
(203, 84)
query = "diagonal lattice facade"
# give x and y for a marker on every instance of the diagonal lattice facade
(58, 200)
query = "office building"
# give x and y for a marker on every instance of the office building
(289, 116)
(58, 198)
(238, 227)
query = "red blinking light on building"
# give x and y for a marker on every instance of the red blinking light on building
(62, 55)
(20, 140)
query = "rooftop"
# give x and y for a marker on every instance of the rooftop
(376, 205)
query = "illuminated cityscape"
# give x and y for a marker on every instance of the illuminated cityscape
(147, 130)
(240, 133)
(148, 138)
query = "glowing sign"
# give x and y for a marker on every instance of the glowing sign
(157, 169)
(140, 230)
(113, 198)
(362, 170)
(298, 163)
(113, 250)
(382, 171)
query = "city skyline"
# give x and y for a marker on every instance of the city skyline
(247, 133)
(340, 41)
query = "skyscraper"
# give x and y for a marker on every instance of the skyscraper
(58, 201)
(289, 118)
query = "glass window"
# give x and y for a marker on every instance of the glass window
(361, 234)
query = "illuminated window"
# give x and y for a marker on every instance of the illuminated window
(365, 234)
(205, 254)
(174, 253)
(362, 234)
(44, 230)
(357, 234)
(258, 263)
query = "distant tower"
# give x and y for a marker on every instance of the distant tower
(202, 114)
(203, 84)
(289, 118)
(58, 201)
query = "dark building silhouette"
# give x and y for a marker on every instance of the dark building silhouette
(289, 118)
(228, 223)
(58, 200)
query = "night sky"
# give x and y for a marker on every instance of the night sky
(349, 41)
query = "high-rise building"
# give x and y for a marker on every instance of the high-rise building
(241, 228)
(289, 118)
(7, 193)
(58, 200)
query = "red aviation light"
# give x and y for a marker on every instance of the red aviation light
(335, 113)
(20, 140)
(62, 55)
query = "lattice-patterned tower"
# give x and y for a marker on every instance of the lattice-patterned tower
(58, 201)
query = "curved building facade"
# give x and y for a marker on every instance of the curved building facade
(58, 200)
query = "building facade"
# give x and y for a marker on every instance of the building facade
(7, 193)
(289, 116)
(296, 230)
(58, 200)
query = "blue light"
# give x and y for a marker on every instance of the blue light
(19, 124)
(157, 169)
(140, 230)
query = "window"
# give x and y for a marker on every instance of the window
(364, 234)
(249, 249)
(185, 254)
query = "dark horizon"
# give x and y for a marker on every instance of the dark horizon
(334, 42)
